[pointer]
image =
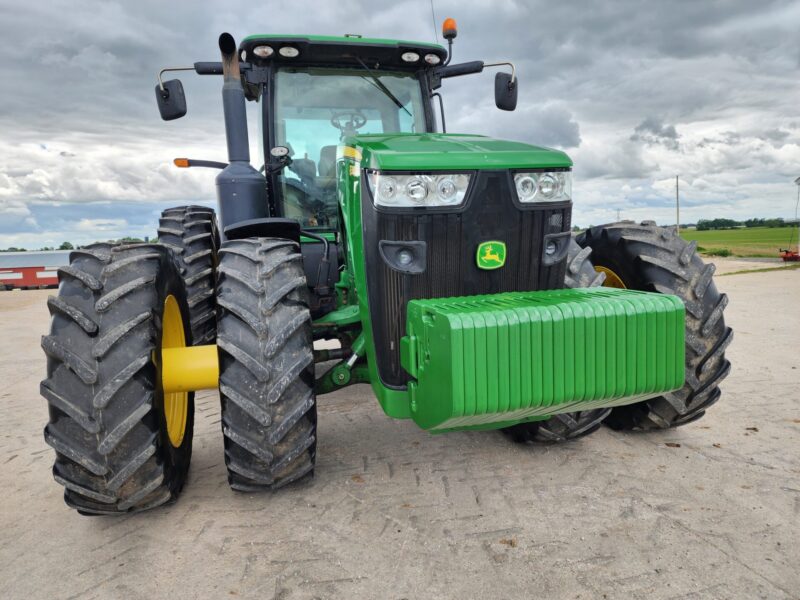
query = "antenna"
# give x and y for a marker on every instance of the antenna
(435, 30)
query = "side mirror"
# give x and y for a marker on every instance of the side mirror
(505, 91)
(171, 100)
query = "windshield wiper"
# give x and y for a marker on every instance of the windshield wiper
(382, 87)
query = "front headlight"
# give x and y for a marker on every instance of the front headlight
(544, 186)
(430, 189)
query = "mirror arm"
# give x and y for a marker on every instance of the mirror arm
(201, 68)
(457, 70)
(500, 64)
(166, 69)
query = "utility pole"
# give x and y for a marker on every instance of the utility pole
(797, 222)
(677, 206)
(617, 215)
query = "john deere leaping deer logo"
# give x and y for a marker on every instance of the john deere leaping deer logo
(491, 255)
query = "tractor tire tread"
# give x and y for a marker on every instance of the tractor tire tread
(103, 421)
(661, 261)
(266, 364)
(191, 232)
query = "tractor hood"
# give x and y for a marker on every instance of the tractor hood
(447, 152)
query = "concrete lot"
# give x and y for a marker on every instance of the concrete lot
(395, 513)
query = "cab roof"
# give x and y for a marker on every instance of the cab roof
(340, 51)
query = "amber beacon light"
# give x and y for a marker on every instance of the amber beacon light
(449, 29)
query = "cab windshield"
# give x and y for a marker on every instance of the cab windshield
(315, 108)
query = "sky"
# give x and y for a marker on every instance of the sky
(635, 92)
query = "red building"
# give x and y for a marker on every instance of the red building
(27, 270)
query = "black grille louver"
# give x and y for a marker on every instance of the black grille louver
(452, 240)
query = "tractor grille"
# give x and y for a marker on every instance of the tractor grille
(452, 239)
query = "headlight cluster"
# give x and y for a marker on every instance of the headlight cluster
(548, 186)
(432, 190)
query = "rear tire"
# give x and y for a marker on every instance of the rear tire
(269, 411)
(567, 426)
(191, 232)
(655, 259)
(107, 422)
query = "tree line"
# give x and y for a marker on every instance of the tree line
(706, 224)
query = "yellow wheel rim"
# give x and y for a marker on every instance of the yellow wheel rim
(612, 279)
(176, 404)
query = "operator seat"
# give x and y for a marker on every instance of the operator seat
(327, 168)
(327, 161)
(305, 169)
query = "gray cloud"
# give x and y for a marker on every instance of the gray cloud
(653, 131)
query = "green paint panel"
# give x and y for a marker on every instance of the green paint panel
(448, 151)
(484, 360)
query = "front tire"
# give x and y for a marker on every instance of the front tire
(121, 445)
(655, 259)
(269, 411)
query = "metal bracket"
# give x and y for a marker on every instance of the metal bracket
(500, 64)
(165, 69)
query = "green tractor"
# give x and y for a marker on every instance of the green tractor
(440, 267)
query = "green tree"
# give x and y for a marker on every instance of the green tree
(706, 224)
(66, 246)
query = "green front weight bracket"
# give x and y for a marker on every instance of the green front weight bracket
(483, 360)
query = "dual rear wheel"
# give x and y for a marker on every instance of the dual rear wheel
(122, 442)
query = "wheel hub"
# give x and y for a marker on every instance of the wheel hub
(612, 279)
(176, 403)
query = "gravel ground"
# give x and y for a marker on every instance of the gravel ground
(737, 265)
(711, 510)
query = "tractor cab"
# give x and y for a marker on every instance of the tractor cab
(317, 95)
(320, 91)
(316, 91)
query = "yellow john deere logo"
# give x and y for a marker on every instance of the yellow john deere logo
(491, 255)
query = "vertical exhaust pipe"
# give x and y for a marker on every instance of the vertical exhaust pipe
(241, 190)
(233, 101)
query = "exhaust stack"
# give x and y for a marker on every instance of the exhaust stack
(241, 189)
(233, 102)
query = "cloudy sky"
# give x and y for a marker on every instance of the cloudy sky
(635, 92)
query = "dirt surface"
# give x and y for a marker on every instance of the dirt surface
(736, 265)
(711, 510)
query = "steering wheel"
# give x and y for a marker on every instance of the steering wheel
(348, 121)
